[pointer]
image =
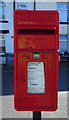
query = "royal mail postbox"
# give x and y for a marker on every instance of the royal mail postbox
(36, 50)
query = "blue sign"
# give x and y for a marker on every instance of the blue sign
(21, 6)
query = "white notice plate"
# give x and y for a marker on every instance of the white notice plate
(36, 78)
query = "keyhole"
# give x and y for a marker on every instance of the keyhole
(24, 79)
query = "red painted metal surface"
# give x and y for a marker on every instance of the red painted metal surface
(36, 31)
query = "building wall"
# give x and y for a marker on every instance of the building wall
(9, 18)
(68, 43)
(45, 5)
(63, 29)
(7, 24)
(68, 29)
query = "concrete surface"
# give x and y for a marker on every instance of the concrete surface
(8, 110)
(62, 107)
(0, 107)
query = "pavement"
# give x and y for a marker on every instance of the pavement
(8, 110)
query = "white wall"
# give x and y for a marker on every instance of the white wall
(42, 5)
(4, 26)
(9, 26)
(63, 29)
(8, 43)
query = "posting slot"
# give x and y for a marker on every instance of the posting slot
(38, 39)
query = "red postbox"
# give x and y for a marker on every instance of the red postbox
(36, 50)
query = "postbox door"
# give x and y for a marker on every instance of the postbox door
(36, 100)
